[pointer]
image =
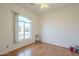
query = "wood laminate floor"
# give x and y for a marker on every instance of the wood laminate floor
(41, 49)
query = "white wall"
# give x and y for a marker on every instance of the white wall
(7, 28)
(61, 27)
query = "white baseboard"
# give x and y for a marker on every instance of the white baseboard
(55, 44)
(9, 50)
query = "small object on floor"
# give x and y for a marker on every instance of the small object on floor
(72, 49)
(77, 49)
(38, 39)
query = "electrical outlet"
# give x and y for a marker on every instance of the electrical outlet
(7, 46)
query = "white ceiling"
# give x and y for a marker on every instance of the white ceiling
(35, 8)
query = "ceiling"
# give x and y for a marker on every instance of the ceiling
(35, 8)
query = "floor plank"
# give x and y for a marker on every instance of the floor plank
(41, 49)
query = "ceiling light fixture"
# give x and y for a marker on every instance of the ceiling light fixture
(43, 5)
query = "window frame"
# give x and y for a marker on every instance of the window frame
(16, 27)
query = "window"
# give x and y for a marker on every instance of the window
(23, 28)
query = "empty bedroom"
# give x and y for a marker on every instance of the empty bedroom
(39, 29)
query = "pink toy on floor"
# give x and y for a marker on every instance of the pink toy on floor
(72, 49)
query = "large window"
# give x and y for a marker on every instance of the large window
(23, 28)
